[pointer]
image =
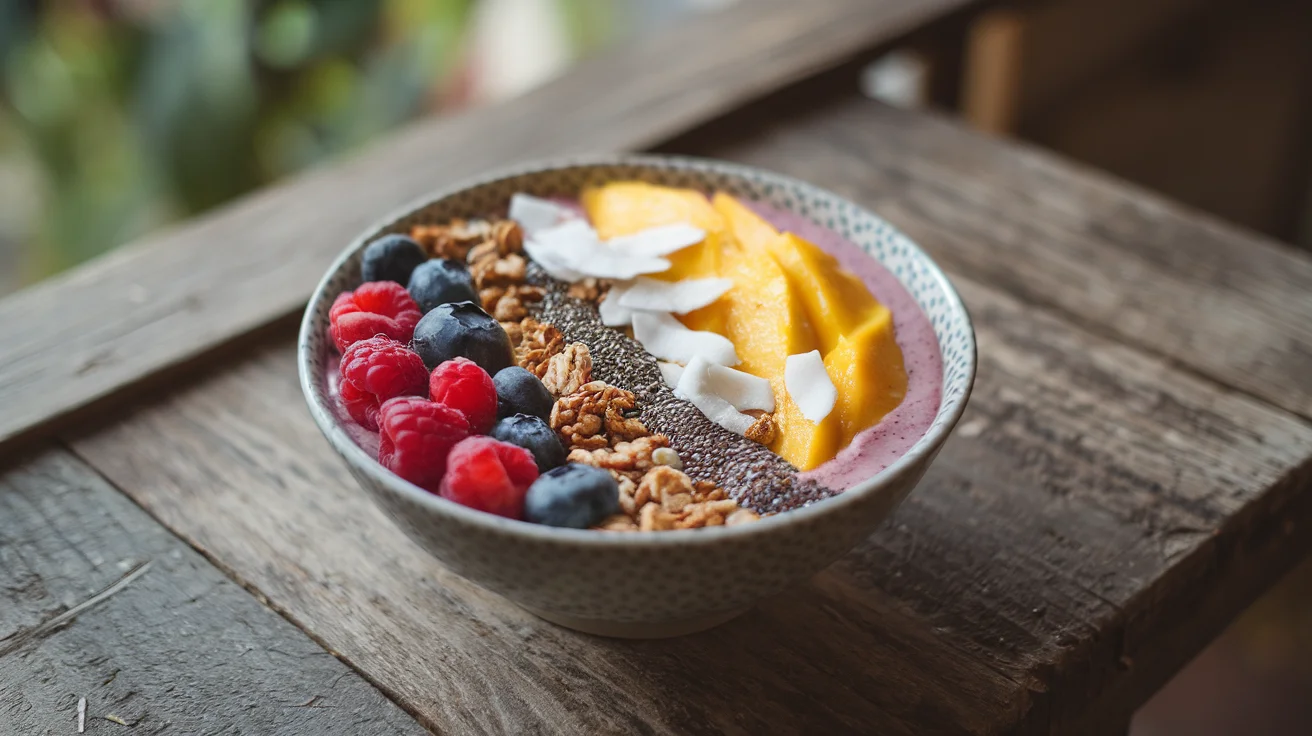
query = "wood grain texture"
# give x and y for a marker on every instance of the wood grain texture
(1092, 498)
(98, 601)
(1114, 259)
(157, 303)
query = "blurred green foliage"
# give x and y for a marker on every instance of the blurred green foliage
(137, 112)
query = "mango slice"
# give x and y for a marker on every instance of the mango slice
(750, 229)
(765, 317)
(626, 207)
(836, 300)
(867, 369)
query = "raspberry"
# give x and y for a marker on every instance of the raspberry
(375, 370)
(461, 384)
(375, 308)
(489, 475)
(414, 437)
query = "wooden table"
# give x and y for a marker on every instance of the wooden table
(180, 547)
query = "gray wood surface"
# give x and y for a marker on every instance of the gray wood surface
(98, 601)
(1114, 259)
(1097, 518)
(157, 303)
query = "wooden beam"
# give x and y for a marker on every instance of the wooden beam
(104, 605)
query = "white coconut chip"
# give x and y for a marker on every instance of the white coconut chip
(658, 241)
(697, 387)
(680, 297)
(670, 372)
(551, 262)
(666, 338)
(743, 390)
(809, 385)
(612, 313)
(535, 213)
(573, 246)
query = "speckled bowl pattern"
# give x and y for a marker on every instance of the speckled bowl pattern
(664, 583)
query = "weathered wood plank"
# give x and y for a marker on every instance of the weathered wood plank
(98, 601)
(1092, 496)
(157, 303)
(1112, 258)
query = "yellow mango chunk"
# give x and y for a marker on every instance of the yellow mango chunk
(867, 369)
(836, 300)
(750, 229)
(766, 318)
(626, 207)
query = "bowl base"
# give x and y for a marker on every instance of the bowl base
(639, 629)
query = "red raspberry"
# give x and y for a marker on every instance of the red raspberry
(414, 437)
(375, 308)
(376, 370)
(461, 384)
(489, 475)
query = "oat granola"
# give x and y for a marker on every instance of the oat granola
(535, 343)
(568, 370)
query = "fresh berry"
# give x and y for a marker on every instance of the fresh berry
(462, 385)
(375, 370)
(414, 437)
(490, 476)
(462, 330)
(375, 308)
(441, 281)
(573, 495)
(532, 434)
(520, 392)
(391, 258)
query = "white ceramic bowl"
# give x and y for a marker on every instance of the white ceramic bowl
(666, 583)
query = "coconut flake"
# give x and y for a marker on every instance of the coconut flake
(665, 337)
(612, 313)
(574, 247)
(670, 372)
(658, 241)
(809, 385)
(697, 387)
(743, 390)
(535, 213)
(551, 261)
(680, 297)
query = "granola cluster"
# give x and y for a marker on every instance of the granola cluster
(598, 424)
(494, 252)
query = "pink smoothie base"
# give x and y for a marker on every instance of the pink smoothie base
(876, 448)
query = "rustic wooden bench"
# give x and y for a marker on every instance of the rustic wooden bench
(180, 549)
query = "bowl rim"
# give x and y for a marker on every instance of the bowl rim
(923, 450)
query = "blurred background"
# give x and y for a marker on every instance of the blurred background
(120, 116)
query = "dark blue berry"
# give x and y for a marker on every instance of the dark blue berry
(391, 258)
(532, 434)
(573, 495)
(462, 330)
(520, 392)
(440, 281)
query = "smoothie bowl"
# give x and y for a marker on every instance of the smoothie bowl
(636, 395)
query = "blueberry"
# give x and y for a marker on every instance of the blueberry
(532, 434)
(462, 330)
(391, 258)
(572, 495)
(520, 392)
(440, 281)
